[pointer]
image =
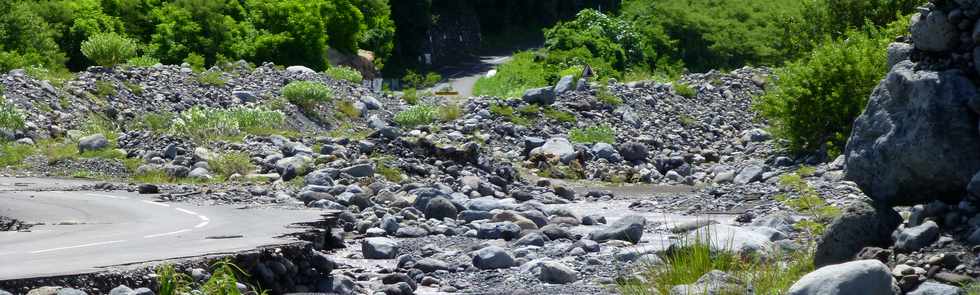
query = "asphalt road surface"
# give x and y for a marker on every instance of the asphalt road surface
(86, 231)
(463, 77)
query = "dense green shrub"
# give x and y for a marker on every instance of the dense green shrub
(26, 38)
(593, 134)
(232, 163)
(416, 115)
(344, 73)
(684, 90)
(10, 117)
(108, 49)
(605, 37)
(306, 94)
(514, 77)
(211, 78)
(816, 99)
(205, 124)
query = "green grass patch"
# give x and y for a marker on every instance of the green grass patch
(171, 281)
(450, 112)
(209, 124)
(605, 96)
(11, 118)
(142, 61)
(806, 200)
(410, 96)
(416, 115)
(13, 154)
(134, 88)
(347, 108)
(157, 122)
(57, 76)
(684, 90)
(307, 94)
(345, 74)
(105, 89)
(232, 163)
(348, 130)
(560, 116)
(211, 78)
(514, 77)
(391, 173)
(593, 134)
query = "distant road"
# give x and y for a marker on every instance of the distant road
(463, 77)
(85, 231)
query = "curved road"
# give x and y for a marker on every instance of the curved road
(86, 231)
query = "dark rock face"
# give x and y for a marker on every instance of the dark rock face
(860, 225)
(917, 140)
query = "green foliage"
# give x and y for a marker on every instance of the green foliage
(11, 118)
(391, 173)
(450, 112)
(171, 281)
(416, 115)
(224, 279)
(26, 38)
(816, 99)
(158, 122)
(232, 163)
(560, 116)
(142, 61)
(410, 96)
(593, 134)
(807, 201)
(605, 37)
(606, 97)
(57, 76)
(347, 108)
(104, 89)
(108, 49)
(211, 78)
(416, 80)
(196, 61)
(685, 90)
(12, 154)
(307, 94)
(345, 74)
(514, 77)
(208, 124)
(694, 258)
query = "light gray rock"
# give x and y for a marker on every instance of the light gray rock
(934, 154)
(749, 174)
(860, 225)
(557, 273)
(565, 84)
(897, 52)
(120, 290)
(714, 282)
(756, 135)
(299, 70)
(932, 288)
(862, 277)
(542, 96)
(319, 177)
(739, 240)
(199, 173)
(370, 102)
(556, 146)
(379, 248)
(917, 237)
(532, 239)
(629, 228)
(70, 291)
(726, 176)
(492, 257)
(92, 142)
(932, 31)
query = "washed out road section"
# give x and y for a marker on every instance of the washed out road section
(85, 231)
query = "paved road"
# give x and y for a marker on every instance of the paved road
(463, 77)
(85, 231)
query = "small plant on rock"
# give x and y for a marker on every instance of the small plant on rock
(232, 163)
(593, 134)
(211, 78)
(142, 61)
(108, 49)
(450, 112)
(684, 90)
(171, 281)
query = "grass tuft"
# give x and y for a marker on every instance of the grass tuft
(593, 134)
(232, 163)
(416, 115)
(211, 78)
(345, 74)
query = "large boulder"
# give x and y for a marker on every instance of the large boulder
(634, 151)
(908, 239)
(932, 31)
(492, 257)
(557, 146)
(628, 228)
(565, 84)
(862, 277)
(557, 273)
(92, 143)
(917, 140)
(739, 240)
(379, 248)
(860, 225)
(541, 96)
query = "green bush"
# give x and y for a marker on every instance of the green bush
(344, 73)
(410, 96)
(104, 89)
(108, 49)
(12, 154)
(207, 124)
(171, 281)
(306, 94)
(232, 163)
(142, 61)
(211, 78)
(514, 77)
(685, 90)
(450, 112)
(347, 108)
(593, 134)
(607, 38)
(815, 100)
(11, 118)
(416, 115)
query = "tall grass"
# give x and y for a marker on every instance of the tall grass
(344, 73)
(11, 118)
(232, 163)
(593, 134)
(416, 115)
(108, 49)
(171, 281)
(306, 94)
(207, 124)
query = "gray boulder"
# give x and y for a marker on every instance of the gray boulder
(319, 177)
(556, 146)
(199, 173)
(932, 31)
(897, 52)
(860, 225)
(541, 96)
(931, 288)
(629, 228)
(492, 257)
(379, 248)
(428, 265)
(862, 277)
(121, 290)
(917, 139)
(739, 240)
(714, 282)
(634, 151)
(299, 70)
(498, 230)
(92, 143)
(70, 291)
(2, 292)
(557, 273)
(565, 84)
(917, 237)
(439, 208)
(362, 170)
(606, 151)
(749, 174)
